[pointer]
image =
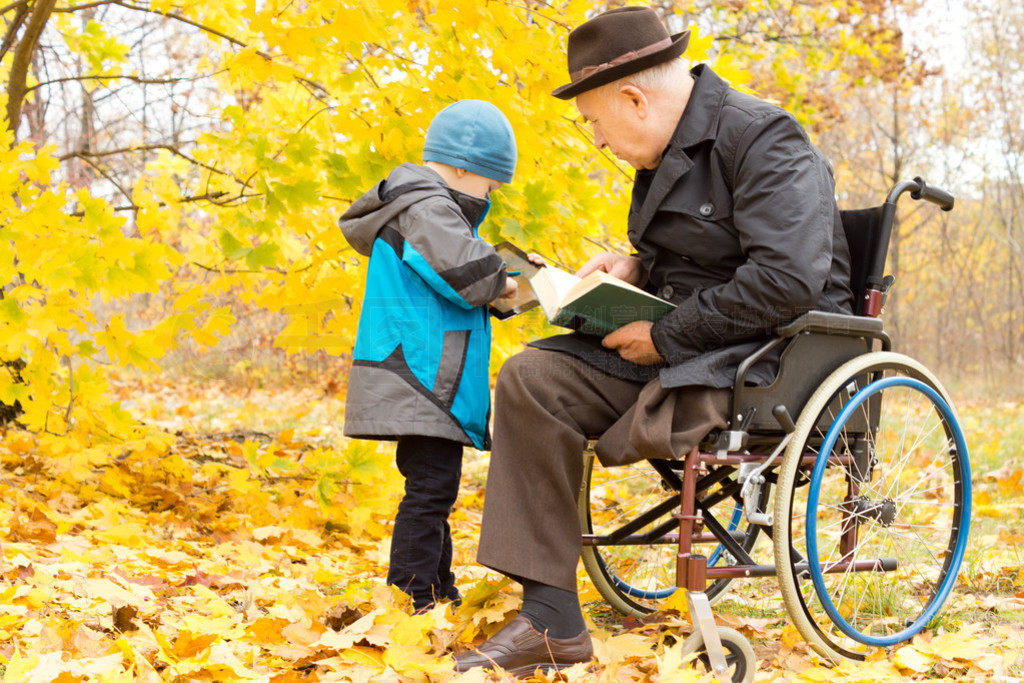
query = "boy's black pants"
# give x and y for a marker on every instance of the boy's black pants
(421, 547)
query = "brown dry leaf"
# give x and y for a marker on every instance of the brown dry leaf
(363, 630)
(33, 526)
(123, 617)
(748, 625)
(340, 616)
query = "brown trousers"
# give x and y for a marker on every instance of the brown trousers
(547, 404)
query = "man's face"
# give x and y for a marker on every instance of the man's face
(619, 120)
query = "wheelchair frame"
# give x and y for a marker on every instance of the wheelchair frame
(833, 449)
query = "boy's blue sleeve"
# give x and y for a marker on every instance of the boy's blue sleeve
(441, 248)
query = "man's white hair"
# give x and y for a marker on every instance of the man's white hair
(659, 77)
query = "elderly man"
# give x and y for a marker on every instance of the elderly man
(733, 219)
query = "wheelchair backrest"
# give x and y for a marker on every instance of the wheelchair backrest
(863, 229)
(867, 233)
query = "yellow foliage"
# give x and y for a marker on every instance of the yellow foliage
(322, 100)
(233, 550)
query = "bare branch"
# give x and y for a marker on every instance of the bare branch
(95, 167)
(71, 392)
(537, 13)
(78, 8)
(81, 154)
(245, 271)
(313, 87)
(184, 20)
(14, 25)
(120, 77)
(216, 198)
(17, 3)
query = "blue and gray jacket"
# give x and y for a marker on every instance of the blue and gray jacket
(420, 363)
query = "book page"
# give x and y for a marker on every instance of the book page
(592, 280)
(551, 286)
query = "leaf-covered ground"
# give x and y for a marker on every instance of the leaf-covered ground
(242, 538)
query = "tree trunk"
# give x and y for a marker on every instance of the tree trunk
(17, 88)
(17, 82)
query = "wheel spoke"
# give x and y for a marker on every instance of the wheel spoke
(902, 509)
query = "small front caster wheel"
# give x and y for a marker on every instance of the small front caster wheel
(739, 655)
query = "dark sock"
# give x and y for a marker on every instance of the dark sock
(551, 609)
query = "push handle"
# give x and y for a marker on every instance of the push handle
(933, 194)
(872, 304)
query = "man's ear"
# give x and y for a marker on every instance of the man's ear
(636, 99)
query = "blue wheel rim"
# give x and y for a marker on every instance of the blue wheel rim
(817, 577)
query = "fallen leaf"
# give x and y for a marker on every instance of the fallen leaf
(123, 616)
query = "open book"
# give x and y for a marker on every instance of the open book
(596, 304)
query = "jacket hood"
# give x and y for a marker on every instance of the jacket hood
(406, 185)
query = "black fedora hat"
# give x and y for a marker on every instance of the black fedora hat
(616, 44)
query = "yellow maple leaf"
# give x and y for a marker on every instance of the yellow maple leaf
(411, 630)
(909, 657)
(964, 644)
(366, 656)
(363, 630)
(188, 644)
(129, 534)
(610, 648)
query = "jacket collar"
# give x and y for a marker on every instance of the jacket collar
(699, 123)
(475, 209)
(424, 178)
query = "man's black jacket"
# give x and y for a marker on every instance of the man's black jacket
(738, 226)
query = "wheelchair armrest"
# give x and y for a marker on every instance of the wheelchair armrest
(833, 323)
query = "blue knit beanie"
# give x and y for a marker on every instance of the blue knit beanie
(474, 135)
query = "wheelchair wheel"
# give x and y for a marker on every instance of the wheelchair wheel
(739, 655)
(873, 507)
(636, 579)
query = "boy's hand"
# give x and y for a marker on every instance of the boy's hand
(511, 287)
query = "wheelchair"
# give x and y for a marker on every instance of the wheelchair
(852, 463)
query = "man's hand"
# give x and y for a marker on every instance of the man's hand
(626, 268)
(633, 342)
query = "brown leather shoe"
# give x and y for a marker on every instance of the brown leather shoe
(520, 649)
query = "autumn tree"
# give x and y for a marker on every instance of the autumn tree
(199, 154)
(998, 28)
(957, 299)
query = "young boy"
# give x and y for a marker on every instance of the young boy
(420, 364)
